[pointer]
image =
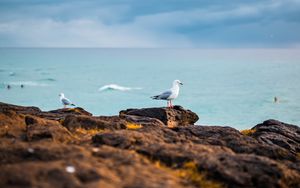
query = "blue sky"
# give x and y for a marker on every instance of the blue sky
(150, 23)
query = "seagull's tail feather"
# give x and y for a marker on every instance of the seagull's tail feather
(156, 97)
(72, 104)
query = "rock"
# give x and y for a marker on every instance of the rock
(233, 139)
(276, 133)
(42, 151)
(71, 111)
(38, 128)
(72, 122)
(171, 117)
(19, 109)
(53, 115)
(141, 120)
(12, 125)
(108, 167)
(218, 163)
(152, 147)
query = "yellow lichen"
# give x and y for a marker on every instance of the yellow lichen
(73, 110)
(133, 125)
(61, 121)
(248, 132)
(191, 173)
(88, 131)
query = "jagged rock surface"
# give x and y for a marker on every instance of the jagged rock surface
(155, 147)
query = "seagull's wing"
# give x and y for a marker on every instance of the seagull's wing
(163, 96)
(65, 101)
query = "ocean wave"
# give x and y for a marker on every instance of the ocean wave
(48, 79)
(12, 74)
(38, 69)
(116, 87)
(27, 83)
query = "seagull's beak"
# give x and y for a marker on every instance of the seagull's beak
(181, 83)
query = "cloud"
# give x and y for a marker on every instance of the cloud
(134, 23)
(84, 33)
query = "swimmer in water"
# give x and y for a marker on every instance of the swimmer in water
(276, 100)
(22, 86)
(8, 87)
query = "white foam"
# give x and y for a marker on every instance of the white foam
(12, 74)
(116, 87)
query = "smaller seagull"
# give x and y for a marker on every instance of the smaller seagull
(65, 101)
(170, 94)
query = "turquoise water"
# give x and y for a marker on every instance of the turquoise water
(224, 87)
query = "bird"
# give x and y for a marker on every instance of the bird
(65, 101)
(170, 94)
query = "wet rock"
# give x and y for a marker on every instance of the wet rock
(171, 117)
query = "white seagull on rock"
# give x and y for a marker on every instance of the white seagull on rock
(169, 95)
(65, 101)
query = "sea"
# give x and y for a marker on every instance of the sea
(227, 87)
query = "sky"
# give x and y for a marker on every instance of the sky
(150, 23)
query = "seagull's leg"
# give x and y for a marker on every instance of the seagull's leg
(168, 103)
(65, 106)
(171, 105)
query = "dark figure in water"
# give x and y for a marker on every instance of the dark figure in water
(22, 86)
(8, 87)
(276, 100)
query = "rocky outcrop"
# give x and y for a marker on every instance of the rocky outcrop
(280, 134)
(171, 117)
(151, 147)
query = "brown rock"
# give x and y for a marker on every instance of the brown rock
(144, 121)
(19, 109)
(12, 125)
(71, 111)
(171, 117)
(233, 139)
(217, 162)
(276, 133)
(38, 128)
(72, 122)
(106, 167)
(37, 151)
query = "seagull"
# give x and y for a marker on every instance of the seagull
(170, 94)
(65, 101)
